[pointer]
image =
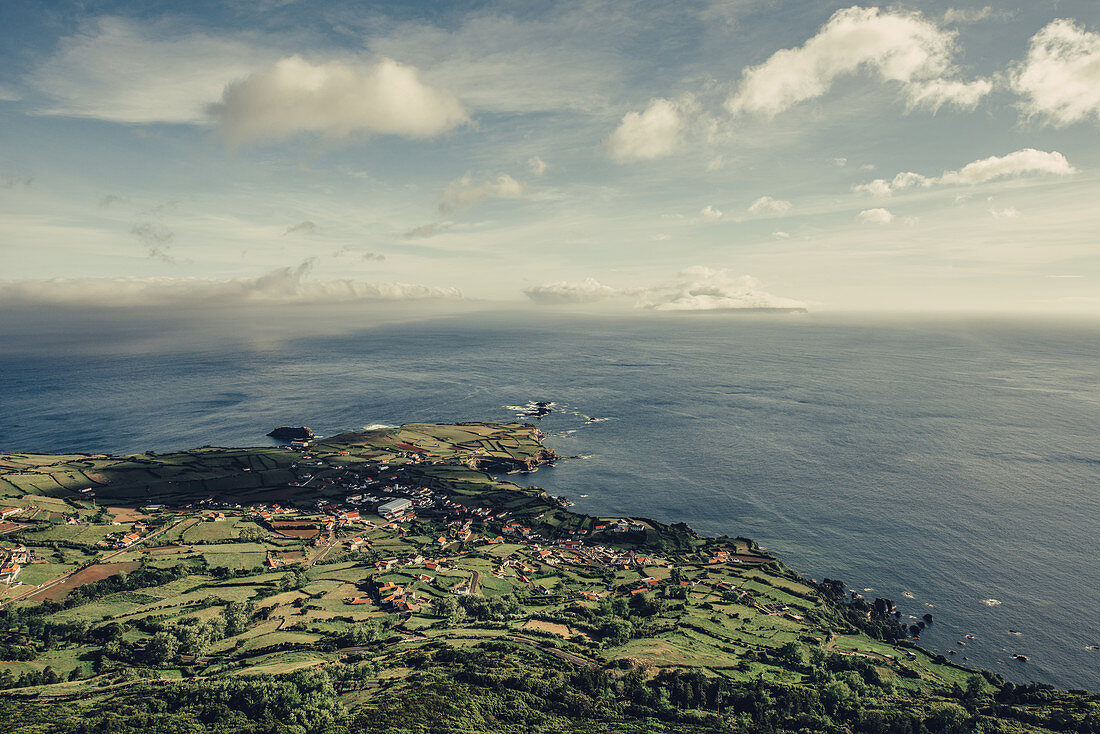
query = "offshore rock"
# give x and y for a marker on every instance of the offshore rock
(292, 433)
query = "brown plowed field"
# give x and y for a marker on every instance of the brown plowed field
(84, 576)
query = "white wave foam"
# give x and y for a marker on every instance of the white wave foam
(377, 426)
(991, 602)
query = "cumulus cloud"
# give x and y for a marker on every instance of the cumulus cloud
(464, 192)
(537, 165)
(335, 100)
(306, 226)
(900, 47)
(768, 205)
(157, 239)
(281, 286)
(654, 133)
(1060, 79)
(780, 235)
(1006, 213)
(1026, 162)
(1020, 163)
(875, 216)
(427, 230)
(710, 213)
(562, 292)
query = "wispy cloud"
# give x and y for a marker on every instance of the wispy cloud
(110, 200)
(15, 180)
(427, 230)
(306, 226)
(127, 71)
(157, 239)
(537, 165)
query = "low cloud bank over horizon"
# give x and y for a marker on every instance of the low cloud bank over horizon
(697, 288)
(280, 286)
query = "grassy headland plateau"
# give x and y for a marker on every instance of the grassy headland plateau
(384, 581)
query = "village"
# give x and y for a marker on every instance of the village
(305, 552)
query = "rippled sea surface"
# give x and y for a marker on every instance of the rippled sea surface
(951, 465)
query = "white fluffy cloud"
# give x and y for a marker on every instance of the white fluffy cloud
(768, 205)
(1024, 162)
(336, 100)
(281, 286)
(875, 216)
(710, 213)
(654, 133)
(464, 192)
(900, 47)
(563, 292)
(1060, 79)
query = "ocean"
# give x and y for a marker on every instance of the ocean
(951, 464)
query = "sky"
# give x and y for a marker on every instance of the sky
(926, 156)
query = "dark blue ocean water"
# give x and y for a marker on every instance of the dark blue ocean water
(956, 460)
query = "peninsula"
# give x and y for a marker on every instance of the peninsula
(390, 580)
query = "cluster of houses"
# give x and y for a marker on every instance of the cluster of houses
(119, 541)
(267, 513)
(13, 564)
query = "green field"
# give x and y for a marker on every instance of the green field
(201, 610)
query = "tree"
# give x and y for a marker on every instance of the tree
(616, 631)
(162, 648)
(448, 608)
